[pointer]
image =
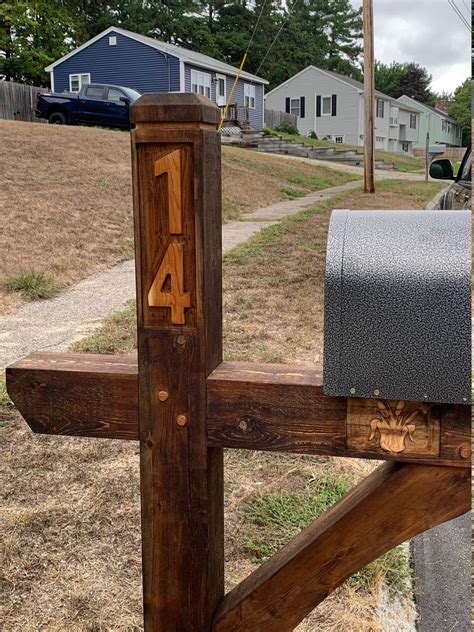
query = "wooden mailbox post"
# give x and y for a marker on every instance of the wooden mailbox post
(185, 405)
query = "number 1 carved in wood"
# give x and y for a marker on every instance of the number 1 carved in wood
(172, 264)
(171, 166)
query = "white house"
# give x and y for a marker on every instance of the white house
(332, 105)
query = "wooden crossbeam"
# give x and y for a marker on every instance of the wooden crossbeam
(249, 405)
(83, 395)
(393, 504)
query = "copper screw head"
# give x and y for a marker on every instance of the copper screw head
(163, 396)
(181, 420)
(465, 451)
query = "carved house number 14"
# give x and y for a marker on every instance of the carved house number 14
(172, 264)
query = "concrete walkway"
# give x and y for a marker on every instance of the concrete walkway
(52, 324)
(380, 174)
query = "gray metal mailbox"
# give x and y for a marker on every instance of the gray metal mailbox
(397, 305)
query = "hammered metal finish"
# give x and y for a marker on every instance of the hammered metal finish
(398, 305)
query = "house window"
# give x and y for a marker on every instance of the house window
(326, 106)
(77, 81)
(339, 139)
(405, 147)
(249, 95)
(201, 83)
(393, 116)
(412, 121)
(295, 106)
(380, 108)
(112, 40)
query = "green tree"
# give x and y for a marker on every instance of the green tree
(460, 109)
(33, 33)
(408, 78)
(323, 33)
(343, 27)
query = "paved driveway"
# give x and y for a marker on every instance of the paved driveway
(442, 564)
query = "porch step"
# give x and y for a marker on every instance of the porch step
(276, 145)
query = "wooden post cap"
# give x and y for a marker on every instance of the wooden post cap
(185, 107)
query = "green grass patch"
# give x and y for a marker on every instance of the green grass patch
(314, 183)
(117, 334)
(275, 518)
(291, 194)
(270, 235)
(233, 210)
(32, 285)
(421, 192)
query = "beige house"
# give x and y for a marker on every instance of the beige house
(332, 105)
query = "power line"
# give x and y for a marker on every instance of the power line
(460, 14)
(256, 26)
(273, 42)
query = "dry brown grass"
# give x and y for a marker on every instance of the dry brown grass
(66, 203)
(70, 542)
(70, 538)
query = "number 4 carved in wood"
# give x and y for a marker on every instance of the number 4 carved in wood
(172, 264)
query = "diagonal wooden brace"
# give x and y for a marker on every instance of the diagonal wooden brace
(393, 504)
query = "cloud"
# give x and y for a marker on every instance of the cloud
(427, 32)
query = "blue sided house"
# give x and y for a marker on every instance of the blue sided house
(120, 57)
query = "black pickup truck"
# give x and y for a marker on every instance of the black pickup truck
(96, 104)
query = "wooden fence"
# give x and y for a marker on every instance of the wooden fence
(17, 101)
(273, 118)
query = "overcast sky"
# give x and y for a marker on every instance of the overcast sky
(427, 32)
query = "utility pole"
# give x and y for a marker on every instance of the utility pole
(369, 97)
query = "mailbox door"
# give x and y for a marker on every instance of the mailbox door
(398, 305)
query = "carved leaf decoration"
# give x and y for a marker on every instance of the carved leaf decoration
(411, 431)
(384, 411)
(410, 417)
(399, 407)
(373, 428)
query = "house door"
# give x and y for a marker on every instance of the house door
(220, 90)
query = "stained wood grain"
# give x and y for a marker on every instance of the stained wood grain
(77, 394)
(283, 408)
(181, 478)
(390, 506)
(249, 405)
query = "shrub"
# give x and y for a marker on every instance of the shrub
(269, 132)
(313, 135)
(287, 128)
(32, 285)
